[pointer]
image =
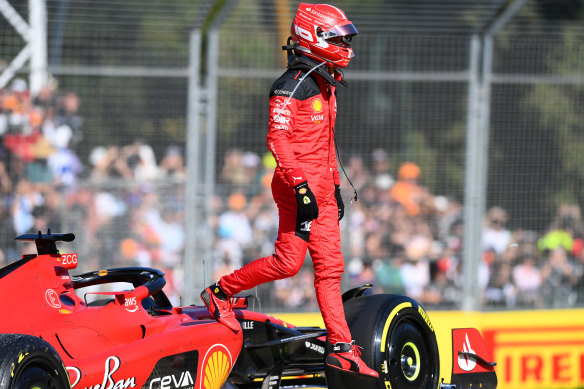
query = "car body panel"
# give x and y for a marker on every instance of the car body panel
(120, 344)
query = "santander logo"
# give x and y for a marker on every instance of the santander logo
(465, 362)
(52, 298)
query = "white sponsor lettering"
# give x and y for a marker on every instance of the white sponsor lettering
(314, 347)
(74, 375)
(69, 259)
(281, 119)
(108, 380)
(276, 157)
(247, 325)
(282, 111)
(283, 92)
(317, 118)
(281, 127)
(173, 382)
(131, 304)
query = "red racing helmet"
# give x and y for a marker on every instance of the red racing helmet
(323, 33)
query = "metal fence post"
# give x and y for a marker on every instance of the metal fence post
(211, 142)
(194, 277)
(474, 195)
(479, 111)
(38, 41)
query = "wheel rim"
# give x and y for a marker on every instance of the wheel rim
(35, 377)
(410, 355)
(410, 361)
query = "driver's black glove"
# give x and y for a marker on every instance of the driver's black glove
(307, 207)
(340, 204)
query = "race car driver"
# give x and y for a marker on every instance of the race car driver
(305, 185)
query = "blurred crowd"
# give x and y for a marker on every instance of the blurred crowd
(126, 205)
(403, 239)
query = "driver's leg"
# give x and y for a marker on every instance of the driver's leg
(327, 259)
(289, 253)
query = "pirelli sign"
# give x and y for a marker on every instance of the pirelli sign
(538, 357)
(539, 349)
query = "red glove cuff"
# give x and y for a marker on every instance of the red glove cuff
(295, 176)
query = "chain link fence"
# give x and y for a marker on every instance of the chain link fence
(102, 150)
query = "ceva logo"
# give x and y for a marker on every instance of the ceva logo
(185, 379)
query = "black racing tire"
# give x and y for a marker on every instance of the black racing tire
(397, 340)
(28, 362)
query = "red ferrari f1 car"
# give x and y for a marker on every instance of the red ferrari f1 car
(58, 333)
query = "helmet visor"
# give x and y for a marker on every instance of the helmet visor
(340, 35)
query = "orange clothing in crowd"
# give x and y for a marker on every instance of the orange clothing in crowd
(406, 190)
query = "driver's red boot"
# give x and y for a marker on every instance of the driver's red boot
(220, 306)
(346, 356)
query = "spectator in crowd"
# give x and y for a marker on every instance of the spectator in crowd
(140, 162)
(7, 242)
(26, 199)
(381, 173)
(559, 276)
(562, 231)
(296, 292)
(68, 115)
(233, 172)
(16, 109)
(132, 253)
(500, 290)
(407, 190)
(46, 99)
(64, 164)
(415, 272)
(5, 180)
(388, 276)
(527, 279)
(172, 165)
(234, 223)
(496, 236)
(227, 257)
(440, 291)
(358, 172)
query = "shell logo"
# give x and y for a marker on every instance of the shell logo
(317, 105)
(216, 367)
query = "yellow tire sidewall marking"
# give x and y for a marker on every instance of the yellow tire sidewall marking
(393, 313)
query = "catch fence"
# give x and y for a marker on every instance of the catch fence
(171, 128)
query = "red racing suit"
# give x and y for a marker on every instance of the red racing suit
(301, 138)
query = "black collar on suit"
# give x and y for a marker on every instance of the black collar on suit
(302, 62)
